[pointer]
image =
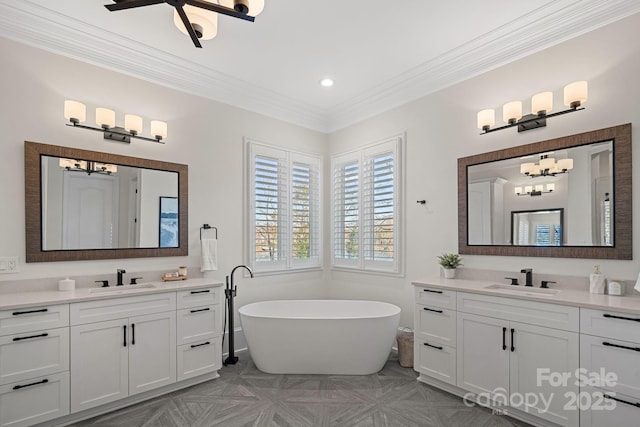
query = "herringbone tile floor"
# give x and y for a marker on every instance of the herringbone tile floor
(245, 396)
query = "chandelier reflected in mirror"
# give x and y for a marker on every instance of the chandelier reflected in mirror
(547, 166)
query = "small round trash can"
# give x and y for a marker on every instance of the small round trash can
(405, 347)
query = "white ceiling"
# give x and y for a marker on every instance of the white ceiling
(381, 54)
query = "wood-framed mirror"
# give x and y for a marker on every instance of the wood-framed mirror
(588, 175)
(88, 205)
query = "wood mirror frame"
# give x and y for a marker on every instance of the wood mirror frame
(33, 205)
(622, 248)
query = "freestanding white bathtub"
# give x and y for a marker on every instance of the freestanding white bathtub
(320, 336)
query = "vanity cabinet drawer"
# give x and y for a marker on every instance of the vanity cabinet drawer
(199, 357)
(33, 354)
(198, 297)
(435, 297)
(435, 360)
(34, 401)
(623, 412)
(619, 357)
(435, 324)
(119, 308)
(532, 312)
(621, 326)
(33, 319)
(197, 323)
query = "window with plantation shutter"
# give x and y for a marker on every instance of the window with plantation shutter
(366, 200)
(284, 209)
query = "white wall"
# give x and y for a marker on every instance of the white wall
(206, 135)
(442, 127)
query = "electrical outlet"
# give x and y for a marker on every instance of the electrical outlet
(8, 264)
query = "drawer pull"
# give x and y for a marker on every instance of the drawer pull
(620, 346)
(200, 345)
(606, 396)
(200, 292)
(18, 387)
(200, 309)
(513, 348)
(504, 339)
(432, 291)
(133, 334)
(433, 346)
(30, 337)
(611, 316)
(431, 309)
(124, 335)
(18, 313)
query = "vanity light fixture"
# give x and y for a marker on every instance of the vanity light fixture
(538, 190)
(76, 113)
(87, 166)
(546, 167)
(575, 94)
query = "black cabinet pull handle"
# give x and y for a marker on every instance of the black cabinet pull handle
(513, 348)
(201, 309)
(200, 292)
(124, 333)
(18, 313)
(434, 292)
(433, 346)
(200, 345)
(504, 339)
(18, 387)
(620, 346)
(606, 396)
(431, 309)
(30, 337)
(611, 316)
(133, 334)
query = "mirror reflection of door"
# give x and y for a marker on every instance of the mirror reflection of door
(90, 211)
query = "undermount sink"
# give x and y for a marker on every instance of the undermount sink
(122, 289)
(524, 290)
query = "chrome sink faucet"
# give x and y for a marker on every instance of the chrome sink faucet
(120, 272)
(528, 276)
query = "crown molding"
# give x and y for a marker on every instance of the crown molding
(546, 26)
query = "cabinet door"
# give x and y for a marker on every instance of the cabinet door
(152, 351)
(99, 372)
(616, 410)
(483, 355)
(538, 355)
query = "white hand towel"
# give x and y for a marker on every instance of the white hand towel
(637, 286)
(209, 257)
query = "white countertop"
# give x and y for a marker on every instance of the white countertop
(628, 303)
(15, 300)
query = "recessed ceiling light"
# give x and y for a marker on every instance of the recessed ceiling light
(326, 82)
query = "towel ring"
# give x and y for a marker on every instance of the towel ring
(208, 227)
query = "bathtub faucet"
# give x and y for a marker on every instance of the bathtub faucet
(229, 293)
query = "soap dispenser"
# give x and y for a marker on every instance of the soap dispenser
(596, 281)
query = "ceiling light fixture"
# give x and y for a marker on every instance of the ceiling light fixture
(198, 18)
(326, 82)
(575, 94)
(546, 167)
(538, 190)
(76, 113)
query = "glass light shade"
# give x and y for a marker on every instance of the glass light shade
(75, 111)
(111, 168)
(539, 187)
(528, 189)
(551, 187)
(526, 168)
(512, 111)
(133, 123)
(206, 20)
(158, 129)
(486, 118)
(542, 102)
(575, 94)
(67, 163)
(548, 163)
(565, 164)
(518, 190)
(105, 117)
(255, 6)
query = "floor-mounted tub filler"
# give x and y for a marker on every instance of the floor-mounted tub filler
(342, 337)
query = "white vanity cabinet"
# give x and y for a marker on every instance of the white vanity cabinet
(610, 344)
(503, 343)
(121, 347)
(199, 319)
(34, 364)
